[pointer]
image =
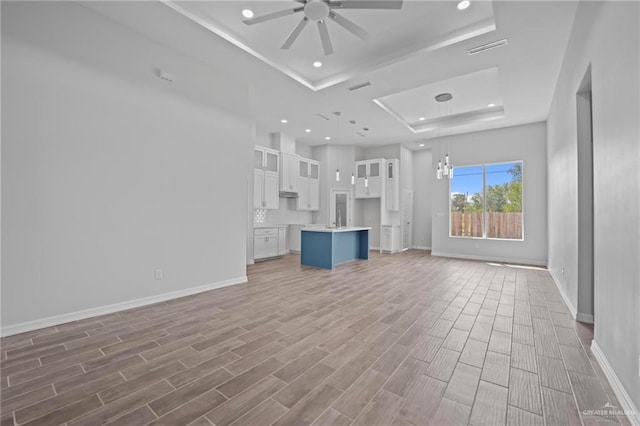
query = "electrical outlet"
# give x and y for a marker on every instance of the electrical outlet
(159, 274)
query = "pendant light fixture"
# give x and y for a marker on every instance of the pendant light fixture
(337, 114)
(446, 169)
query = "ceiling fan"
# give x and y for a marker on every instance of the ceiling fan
(319, 11)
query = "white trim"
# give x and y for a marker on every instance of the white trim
(616, 385)
(565, 296)
(588, 318)
(422, 247)
(535, 262)
(116, 307)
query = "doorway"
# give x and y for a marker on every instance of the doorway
(407, 218)
(340, 208)
(584, 122)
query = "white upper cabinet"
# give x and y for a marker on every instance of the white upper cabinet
(392, 182)
(266, 178)
(289, 164)
(369, 178)
(308, 184)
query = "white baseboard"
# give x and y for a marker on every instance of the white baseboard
(534, 262)
(116, 307)
(563, 293)
(422, 247)
(588, 318)
(621, 393)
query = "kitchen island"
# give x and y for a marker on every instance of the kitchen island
(327, 247)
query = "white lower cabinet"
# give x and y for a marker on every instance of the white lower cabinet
(269, 242)
(390, 239)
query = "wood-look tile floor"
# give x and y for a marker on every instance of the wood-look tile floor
(405, 339)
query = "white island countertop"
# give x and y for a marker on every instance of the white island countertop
(341, 229)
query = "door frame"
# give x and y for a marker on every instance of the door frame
(406, 193)
(332, 205)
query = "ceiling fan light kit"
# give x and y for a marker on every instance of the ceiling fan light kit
(322, 10)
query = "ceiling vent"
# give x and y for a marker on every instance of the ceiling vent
(488, 46)
(323, 116)
(360, 86)
(165, 75)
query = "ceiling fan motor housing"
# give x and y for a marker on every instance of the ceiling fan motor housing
(316, 10)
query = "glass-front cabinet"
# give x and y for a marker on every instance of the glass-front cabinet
(368, 178)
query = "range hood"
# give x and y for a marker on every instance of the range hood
(288, 194)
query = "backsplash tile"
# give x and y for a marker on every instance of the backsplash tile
(285, 215)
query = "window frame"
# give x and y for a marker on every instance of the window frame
(484, 204)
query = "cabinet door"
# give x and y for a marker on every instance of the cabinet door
(314, 194)
(303, 168)
(258, 159)
(271, 162)
(292, 172)
(303, 193)
(282, 241)
(260, 247)
(375, 188)
(271, 191)
(271, 245)
(361, 170)
(386, 239)
(258, 189)
(374, 169)
(314, 171)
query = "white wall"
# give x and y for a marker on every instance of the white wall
(108, 176)
(422, 181)
(526, 143)
(606, 37)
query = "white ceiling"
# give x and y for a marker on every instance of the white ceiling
(412, 53)
(419, 26)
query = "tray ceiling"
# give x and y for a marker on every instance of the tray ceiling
(394, 35)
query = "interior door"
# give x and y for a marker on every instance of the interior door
(407, 218)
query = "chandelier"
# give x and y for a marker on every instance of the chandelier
(445, 169)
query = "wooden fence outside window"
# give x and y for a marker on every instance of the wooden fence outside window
(499, 225)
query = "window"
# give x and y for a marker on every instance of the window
(486, 201)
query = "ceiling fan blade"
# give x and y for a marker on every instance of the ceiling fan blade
(273, 15)
(366, 4)
(350, 26)
(295, 33)
(324, 37)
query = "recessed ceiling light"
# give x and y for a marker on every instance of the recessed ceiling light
(327, 138)
(247, 13)
(421, 145)
(283, 121)
(307, 130)
(317, 64)
(463, 4)
(421, 118)
(491, 105)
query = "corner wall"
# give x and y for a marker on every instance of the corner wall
(422, 199)
(606, 37)
(107, 177)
